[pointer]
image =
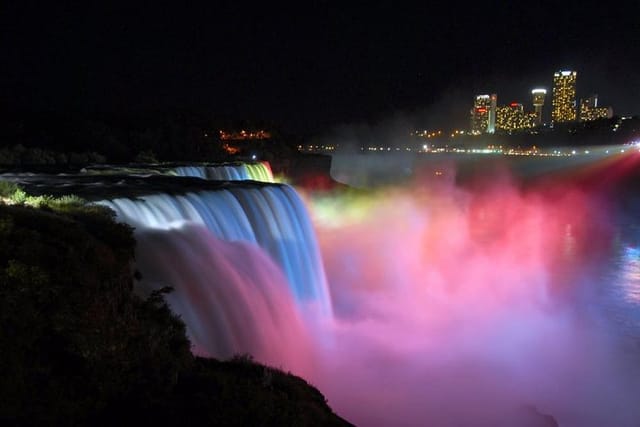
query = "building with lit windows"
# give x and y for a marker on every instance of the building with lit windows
(564, 97)
(538, 96)
(512, 117)
(483, 114)
(589, 110)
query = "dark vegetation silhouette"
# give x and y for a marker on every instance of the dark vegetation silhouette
(72, 138)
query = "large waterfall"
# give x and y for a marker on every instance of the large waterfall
(243, 260)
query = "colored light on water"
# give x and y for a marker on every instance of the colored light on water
(272, 217)
(631, 274)
(440, 302)
(451, 287)
(260, 171)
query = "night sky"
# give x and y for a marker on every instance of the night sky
(309, 67)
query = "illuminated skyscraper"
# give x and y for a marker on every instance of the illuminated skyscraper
(512, 118)
(538, 102)
(589, 110)
(483, 114)
(564, 97)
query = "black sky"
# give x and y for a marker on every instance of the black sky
(310, 66)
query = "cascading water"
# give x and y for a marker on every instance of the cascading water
(237, 172)
(271, 216)
(233, 298)
(238, 258)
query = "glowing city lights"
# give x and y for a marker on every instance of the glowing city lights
(564, 97)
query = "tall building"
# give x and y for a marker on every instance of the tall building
(538, 96)
(589, 110)
(512, 117)
(483, 114)
(564, 97)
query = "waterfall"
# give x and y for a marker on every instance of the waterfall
(232, 297)
(205, 243)
(236, 172)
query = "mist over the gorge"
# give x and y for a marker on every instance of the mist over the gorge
(461, 305)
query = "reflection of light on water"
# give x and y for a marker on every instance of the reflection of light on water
(630, 274)
(621, 289)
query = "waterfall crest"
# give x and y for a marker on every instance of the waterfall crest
(236, 172)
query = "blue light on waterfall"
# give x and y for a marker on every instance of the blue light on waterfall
(271, 216)
(241, 172)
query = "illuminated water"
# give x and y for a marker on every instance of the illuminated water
(463, 304)
(244, 171)
(271, 217)
(446, 304)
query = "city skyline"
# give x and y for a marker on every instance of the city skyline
(312, 68)
(565, 105)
